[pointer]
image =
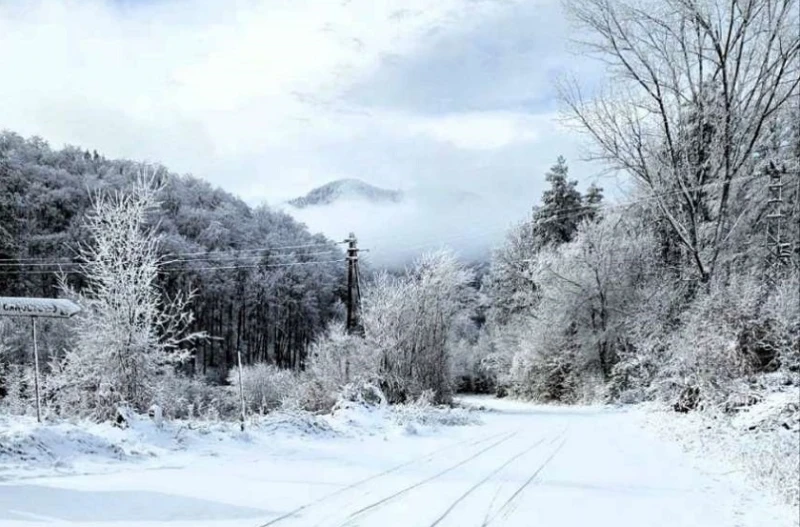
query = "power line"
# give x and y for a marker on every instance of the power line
(204, 254)
(450, 239)
(562, 214)
(252, 257)
(167, 262)
(584, 209)
(260, 249)
(255, 266)
(243, 254)
(181, 269)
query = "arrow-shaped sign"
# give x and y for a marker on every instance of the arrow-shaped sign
(37, 307)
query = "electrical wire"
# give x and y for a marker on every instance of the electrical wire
(180, 269)
(255, 266)
(204, 254)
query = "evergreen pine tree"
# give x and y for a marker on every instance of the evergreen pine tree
(557, 219)
(593, 200)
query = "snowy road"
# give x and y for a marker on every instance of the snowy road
(525, 466)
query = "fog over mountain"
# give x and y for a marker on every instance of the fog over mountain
(398, 225)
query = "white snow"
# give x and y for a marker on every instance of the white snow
(759, 445)
(523, 465)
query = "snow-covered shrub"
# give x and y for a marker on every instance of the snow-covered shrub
(717, 346)
(550, 378)
(183, 397)
(423, 411)
(631, 378)
(266, 387)
(545, 363)
(471, 373)
(500, 345)
(18, 386)
(782, 309)
(336, 360)
(762, 439)
(311, 394)
(366, 393)
(775, 460)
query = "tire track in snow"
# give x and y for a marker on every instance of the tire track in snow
(483, 480)
(383, 501)
(510, 501)
(356, 484)
(491, 503)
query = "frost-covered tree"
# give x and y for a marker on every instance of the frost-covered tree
(695, 86)
(509, 285)
(593, 283)
(17, 388)
(409, 321)
(129, 335)
(335, 361)
(587, 290)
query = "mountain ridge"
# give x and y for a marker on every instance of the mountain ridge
(346, 189)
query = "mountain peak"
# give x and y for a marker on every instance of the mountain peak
(346, 190)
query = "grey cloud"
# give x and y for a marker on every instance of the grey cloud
(392, 117)
(506, 62)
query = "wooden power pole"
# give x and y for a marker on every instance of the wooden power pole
(353, 289)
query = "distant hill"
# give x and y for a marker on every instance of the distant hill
(347, 190)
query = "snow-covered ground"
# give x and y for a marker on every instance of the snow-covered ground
(759, 443)
(521, 465)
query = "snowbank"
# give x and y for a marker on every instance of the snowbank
(29, 449)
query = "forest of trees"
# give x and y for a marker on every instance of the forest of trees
(261, 283)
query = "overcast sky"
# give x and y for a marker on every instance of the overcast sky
(271, 98)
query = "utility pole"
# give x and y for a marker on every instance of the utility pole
(36, 372)
(777, 249)
(243, 416)
(353, 289)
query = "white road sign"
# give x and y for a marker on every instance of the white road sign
(37, 307)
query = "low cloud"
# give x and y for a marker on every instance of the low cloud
(396, 234)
